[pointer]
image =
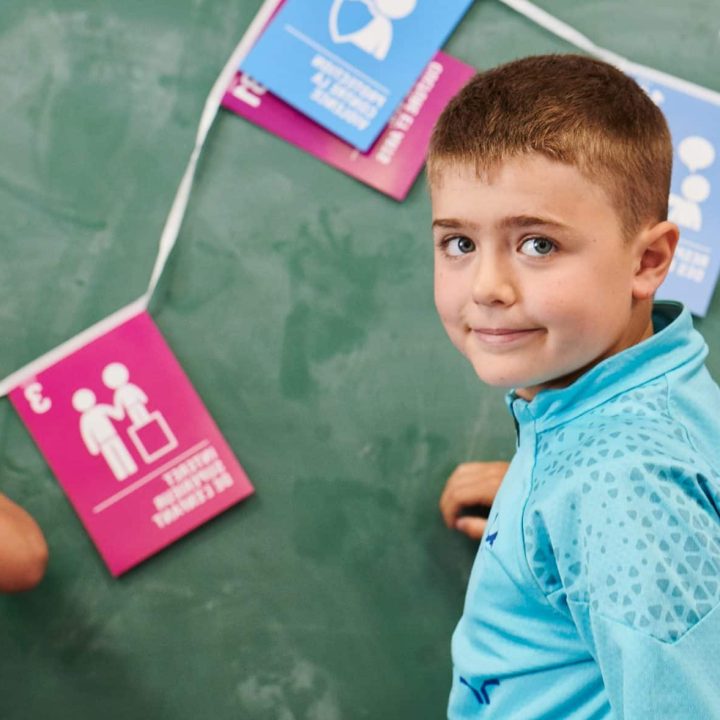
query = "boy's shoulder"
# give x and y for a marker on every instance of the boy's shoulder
(619, 435)
(622, 516)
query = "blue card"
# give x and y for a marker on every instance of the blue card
(693, 114)
(347, 64)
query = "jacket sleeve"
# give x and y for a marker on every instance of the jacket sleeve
(647, 678)
(633, 555)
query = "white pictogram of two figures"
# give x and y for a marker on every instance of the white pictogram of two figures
(97, 422)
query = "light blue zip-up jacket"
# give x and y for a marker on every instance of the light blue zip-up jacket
(595, 591)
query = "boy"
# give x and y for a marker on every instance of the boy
(594, 592)
(23, 551)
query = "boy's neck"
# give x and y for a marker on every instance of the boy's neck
(639, 328)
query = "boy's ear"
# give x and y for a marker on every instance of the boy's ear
(655, 249)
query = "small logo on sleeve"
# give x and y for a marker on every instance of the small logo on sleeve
(481, 695)
(492, 532)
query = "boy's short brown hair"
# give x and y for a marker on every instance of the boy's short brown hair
(569, 108)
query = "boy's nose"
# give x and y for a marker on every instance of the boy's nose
(493, 283)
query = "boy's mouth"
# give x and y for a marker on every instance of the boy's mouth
(503, 336)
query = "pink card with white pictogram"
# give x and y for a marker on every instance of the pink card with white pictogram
(130, 442)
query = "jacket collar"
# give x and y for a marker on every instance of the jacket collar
(674, 343)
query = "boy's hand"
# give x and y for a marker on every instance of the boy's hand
(470, 485)
(23, 551)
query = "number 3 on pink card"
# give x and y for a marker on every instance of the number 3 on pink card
(39, 404)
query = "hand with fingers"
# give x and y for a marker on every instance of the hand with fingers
(471, 486)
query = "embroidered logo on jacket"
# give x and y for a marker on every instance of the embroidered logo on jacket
(481, 695)
(491, 532)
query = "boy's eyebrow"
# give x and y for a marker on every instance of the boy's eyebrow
(529, 221)
(451, 223)
(520, 221)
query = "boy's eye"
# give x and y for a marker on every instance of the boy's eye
(458, 245)
(537, 247)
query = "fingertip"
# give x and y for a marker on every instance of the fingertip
(470, 526)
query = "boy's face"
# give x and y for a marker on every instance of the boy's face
(533, 279)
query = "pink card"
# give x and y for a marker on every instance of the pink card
(131, 442)
(395, 160)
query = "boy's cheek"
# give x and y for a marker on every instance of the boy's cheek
(447, 295)
(449, 304)
(455, 330)
(440, 301)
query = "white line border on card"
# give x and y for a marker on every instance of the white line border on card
(105, 504)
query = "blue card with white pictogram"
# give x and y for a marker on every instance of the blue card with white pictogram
(347, 64)
(693, 114)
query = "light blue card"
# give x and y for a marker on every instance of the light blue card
(693, 114)
(347, 64)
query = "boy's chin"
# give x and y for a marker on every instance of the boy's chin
(503, 381)
(524, 385)
(528, 388)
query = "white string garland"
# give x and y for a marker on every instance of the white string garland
(174, 220)
(176, 215)
(574, 37)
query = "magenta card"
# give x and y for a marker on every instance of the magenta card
(395, 160)
(131, 442)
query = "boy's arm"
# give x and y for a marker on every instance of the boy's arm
(633, 555)
(648, 678)
(23, 550)
(471, 485)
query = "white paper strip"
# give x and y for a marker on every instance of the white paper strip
(582, 42)
(212, 104)
(175, 216)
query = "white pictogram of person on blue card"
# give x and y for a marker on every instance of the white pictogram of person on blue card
(372, 33)
(347, 64)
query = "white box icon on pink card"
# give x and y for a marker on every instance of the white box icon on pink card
(131, 443)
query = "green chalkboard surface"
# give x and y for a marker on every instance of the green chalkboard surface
(300, 304)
